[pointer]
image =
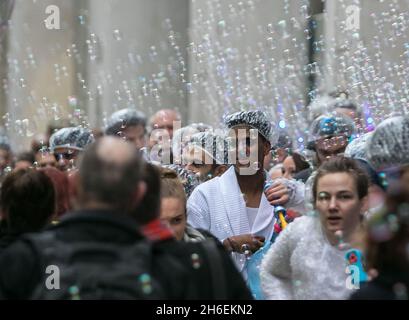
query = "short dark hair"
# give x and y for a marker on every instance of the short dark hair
(26, 156)
(343, 165)
(109, 182)
(149, 208)
(28, 199)
(300, 162)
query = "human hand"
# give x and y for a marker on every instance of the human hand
(249, 241)
(277, 194)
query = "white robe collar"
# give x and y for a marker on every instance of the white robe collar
(235, 208)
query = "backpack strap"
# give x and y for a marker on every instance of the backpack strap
(216, 269)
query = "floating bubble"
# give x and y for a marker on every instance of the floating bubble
(282, 124)
(72, 102)
(117, 35)
(401, 291)
(81, 19)
(22, 82)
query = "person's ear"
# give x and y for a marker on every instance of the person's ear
(266, 148)
(364, 205)
(139, 193)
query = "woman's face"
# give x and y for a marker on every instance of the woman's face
(338, 204)
(288, 168)
(173, 213)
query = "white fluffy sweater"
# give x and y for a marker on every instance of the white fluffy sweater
(303, 265)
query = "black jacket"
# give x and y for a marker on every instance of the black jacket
(200, 283)
(6, 237)
(21, 270)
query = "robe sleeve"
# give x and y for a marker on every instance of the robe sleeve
(297, 196)
(198, 213)
(296, 192)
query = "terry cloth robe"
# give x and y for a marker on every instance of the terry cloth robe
(303, 265)
(218, 207)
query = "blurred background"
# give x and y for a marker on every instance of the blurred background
(204, 57)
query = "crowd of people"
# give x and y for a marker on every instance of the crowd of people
(153, 210)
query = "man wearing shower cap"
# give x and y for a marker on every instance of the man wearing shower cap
(182, 138)
(329, 135)
(233, 207)
(388, 150)
(129, 124)
(67, 143)
(207, 155)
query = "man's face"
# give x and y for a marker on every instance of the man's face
(251, 149)
(45, 159)
(164, 120)
(135, 135)
(328, 148)
(65, 158)
(198, 163)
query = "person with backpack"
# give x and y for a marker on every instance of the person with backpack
(211, 273)
(96, 252)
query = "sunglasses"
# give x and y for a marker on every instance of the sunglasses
(65, 155)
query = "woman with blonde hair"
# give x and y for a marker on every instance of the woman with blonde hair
(173, 207)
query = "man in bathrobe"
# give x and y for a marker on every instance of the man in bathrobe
(234, 207)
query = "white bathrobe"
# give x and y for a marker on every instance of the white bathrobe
(303, 265)
(218, 207)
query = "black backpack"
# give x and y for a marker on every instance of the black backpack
(95, 271)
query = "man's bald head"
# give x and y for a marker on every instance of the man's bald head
(163, 119)
(114, 150)
(110, 171)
